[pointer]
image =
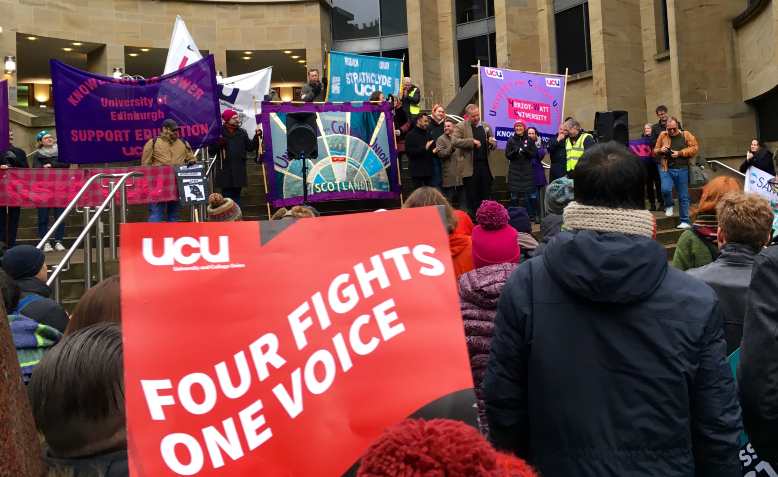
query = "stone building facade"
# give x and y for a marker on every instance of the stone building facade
(712, 62)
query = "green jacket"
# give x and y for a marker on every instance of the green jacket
(691, 252)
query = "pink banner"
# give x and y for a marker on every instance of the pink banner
(57, 187)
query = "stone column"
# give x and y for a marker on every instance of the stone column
(424, 50)
(705, 75)
(104, 60)
(546, 36)
(516, 23)
(617, 58)
(447, 50)
(8, 48)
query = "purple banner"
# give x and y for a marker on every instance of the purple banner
(357, 154)
(4, 119)
(643, 148)
(103, 119)
(510, 96)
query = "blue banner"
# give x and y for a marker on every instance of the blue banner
(354, 77)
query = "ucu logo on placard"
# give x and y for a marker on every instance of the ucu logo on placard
(493, 73)
(553, 83)
(186, 251)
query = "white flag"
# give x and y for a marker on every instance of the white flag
(182, 51)
(240, 92)
(761, 183)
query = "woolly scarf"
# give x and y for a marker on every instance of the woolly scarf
(52, 151)
(603, 219)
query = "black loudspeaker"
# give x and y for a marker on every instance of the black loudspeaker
(612, 126)
(301, 135)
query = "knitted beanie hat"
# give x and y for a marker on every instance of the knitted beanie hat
(493, 240)
(23, 261)
(434, 448)
(228, 114)
(558, 194)
(223, 209)
(520, 219)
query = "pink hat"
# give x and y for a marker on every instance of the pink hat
(228, 114)
(494, 241)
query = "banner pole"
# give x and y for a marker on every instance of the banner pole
(262, 164)
(564, 98)
(480, 96)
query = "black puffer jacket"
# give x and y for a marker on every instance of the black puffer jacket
(45, 310)
(230, 167)
(520, 151)
(607, 362)
(758, 373)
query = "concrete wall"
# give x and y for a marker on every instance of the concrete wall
(757, 44)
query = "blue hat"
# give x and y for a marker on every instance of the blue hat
(519, 219)
(39, 137)
(23, 261)
(558, 194)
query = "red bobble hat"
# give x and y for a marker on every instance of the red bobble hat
(437, 448)
(494, 241)
(228, 114)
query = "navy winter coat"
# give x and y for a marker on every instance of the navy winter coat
(605, 362)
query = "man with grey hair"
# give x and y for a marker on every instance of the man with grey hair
(472, 140)
(411, 97)
(576, 144)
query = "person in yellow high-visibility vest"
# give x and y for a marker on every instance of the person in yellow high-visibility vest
(576, 144)
(411, 97)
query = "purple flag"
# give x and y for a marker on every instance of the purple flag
(103, 119)
(4, 131)
(357, 155)
(510, 96)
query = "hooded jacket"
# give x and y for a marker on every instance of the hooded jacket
(607, 362)
(729, 276)
(45, 310)
(113, 464)
(461, 253)
(758, 372)
(479, 292)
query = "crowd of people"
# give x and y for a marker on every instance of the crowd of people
(591, 354)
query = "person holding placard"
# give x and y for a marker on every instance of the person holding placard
(167, 150)
(758, 156)
(231, 151)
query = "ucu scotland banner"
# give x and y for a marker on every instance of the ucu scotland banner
(510, 96)
(764, 184)
(354, 77)
(103, 119)
(357, 156)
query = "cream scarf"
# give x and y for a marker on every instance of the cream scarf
(602, 219)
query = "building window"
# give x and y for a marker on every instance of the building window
(663, 28)
(573, 44)
(398, 54)
(471, 50)
(352, 19)
(472, 10)
(394, 17)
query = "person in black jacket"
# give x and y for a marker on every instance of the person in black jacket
(47, 156)
(9, 216)
(434, 131)
(558, 154)
(760, 157)
(759, 357)
(231, 150)
(27, 266)
(520, 152)
(605, 361)
(419, 150)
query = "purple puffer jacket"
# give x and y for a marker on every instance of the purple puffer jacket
(479, 292)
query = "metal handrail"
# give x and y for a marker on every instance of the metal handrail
(72, 205)
(54, 276)
(719, 163)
